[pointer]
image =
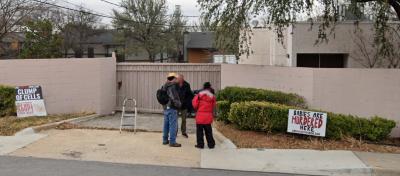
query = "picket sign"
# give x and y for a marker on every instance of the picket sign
(29, 101)
(307, 122)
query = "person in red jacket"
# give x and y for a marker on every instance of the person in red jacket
(204, 102)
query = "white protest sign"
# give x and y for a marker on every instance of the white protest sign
(29, 101)
(307, 122)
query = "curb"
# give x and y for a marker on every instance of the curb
(346, 171)
(382, 171)
(225, 142)
(36, 129)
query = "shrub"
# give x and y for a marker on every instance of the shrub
(241, 94)
(271, 117)
(223, 107)
(7, 101)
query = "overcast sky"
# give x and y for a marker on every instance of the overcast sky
(187, 6)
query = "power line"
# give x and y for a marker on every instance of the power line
(126, 8)
(80, 6)
(100, 15)
(112, 3)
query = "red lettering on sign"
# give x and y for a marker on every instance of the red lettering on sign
(305, 119)
(312, 122)
(320, 123)
(25, 108)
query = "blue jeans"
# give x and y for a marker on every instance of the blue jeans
(170, 125)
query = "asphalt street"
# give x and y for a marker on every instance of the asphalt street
(21, 166)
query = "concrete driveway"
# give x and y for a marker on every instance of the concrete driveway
(152, 122)
(111, 146)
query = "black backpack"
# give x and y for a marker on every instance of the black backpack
(162, 96)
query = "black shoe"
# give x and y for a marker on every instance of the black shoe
(185, 135)
(165, 143)
(211, 147)
(197, 146)
(175, 145)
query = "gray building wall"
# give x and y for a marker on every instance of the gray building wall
(342, 42)
(301, 40)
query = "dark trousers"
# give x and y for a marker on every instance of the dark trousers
(184, 114)
(200, 135)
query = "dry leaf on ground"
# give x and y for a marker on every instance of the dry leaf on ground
(252, 139)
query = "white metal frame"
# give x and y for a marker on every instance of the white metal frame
(128, 115)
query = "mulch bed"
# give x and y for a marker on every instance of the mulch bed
(252, 139)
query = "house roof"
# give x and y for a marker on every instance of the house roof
(200, 40)
(106, 38)
(14, 37)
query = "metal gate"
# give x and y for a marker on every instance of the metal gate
(141, 81)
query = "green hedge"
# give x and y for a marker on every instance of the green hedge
(241, 94)
(271, 117)
(229, 95)
(223, 107)
(7, 101)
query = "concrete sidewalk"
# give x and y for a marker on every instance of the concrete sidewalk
(383, 163)
(146, 148)
(111, 146)
(299, 161)
(10, 144)
(23, 166)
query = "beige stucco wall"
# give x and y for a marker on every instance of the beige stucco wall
(301, 40)
(267, 50)
(68, 85)
(341, 42)
(260, 48)
(362, 92)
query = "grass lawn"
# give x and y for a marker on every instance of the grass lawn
(252, 139)
(12, 124)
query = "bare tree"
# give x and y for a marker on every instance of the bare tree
(231, 16)
(144, 26)
(391, 52)
(366, 52)
(176, 28)
(61, 20)
(78, 28)
(377, 54)
(203, 25)
(14, 14)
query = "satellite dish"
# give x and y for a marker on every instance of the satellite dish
(254, 23)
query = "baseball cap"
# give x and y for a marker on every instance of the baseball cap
(171, 75)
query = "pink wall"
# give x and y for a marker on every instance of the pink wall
(362, 92)
(68, 85)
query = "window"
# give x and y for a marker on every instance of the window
(321, 60)
(90, 52)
